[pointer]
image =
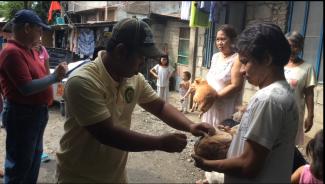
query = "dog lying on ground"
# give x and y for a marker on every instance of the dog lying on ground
(203, 94)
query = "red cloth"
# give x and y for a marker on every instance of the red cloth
(23, 65)
(55, 5)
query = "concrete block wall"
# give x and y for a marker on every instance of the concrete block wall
(318, 106)
(318, 110)
(277, 12)
(199, 70)
(274, 11)
(85, 5)
(171, 37)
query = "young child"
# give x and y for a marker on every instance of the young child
(162, 72)
(43, 55)
(183, 88)
(312, 173)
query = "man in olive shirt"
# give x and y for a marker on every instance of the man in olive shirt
(100, 98)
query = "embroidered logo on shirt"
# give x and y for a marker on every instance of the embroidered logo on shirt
(129, 94)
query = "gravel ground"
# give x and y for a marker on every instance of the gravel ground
(142, 167)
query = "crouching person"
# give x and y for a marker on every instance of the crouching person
(100, 98)
(262, 149)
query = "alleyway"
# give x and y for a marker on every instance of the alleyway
(143, 167)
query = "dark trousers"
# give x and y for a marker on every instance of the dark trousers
(25, 125)
(298, 160)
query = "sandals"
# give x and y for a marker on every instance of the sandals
(45, 157)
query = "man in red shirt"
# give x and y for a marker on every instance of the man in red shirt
(26, 88)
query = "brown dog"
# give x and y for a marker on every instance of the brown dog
(202, 97)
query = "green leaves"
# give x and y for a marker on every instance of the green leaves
(8, 9)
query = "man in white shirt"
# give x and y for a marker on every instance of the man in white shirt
(262, 150)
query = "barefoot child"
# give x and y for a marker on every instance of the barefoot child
(183, 88)
(162, 72)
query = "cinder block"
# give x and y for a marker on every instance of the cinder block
(263, 11)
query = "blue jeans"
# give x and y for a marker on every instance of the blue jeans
(25, 125)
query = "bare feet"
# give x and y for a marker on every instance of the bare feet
(205, 181)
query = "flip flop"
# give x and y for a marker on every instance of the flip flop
(45, 158)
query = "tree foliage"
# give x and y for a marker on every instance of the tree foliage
(9, 8)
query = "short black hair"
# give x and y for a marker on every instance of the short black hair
(188, 74)
(296, 38)
(315, 149)
(261, 39)
(164, 56)
(229, 31)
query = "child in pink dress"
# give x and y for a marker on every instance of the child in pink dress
(312, 173)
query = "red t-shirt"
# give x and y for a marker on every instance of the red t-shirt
(23, 65)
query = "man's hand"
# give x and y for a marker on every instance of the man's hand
(174, 142)
(200, 129)
(201, 163)
(61, 70)
(225, 128)
(308, 123)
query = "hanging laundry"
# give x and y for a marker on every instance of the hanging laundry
(214, 8)
(86, 42)
(74, 35)
(55, 5)
(211, 8)
(198, 18)
(204, 6)
(185, 10)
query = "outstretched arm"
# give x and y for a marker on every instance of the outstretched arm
(171, 116)
(106, 132)
(190, 90)
(248, 164)
(38, 85)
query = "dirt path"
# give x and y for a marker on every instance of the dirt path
(142, 167)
